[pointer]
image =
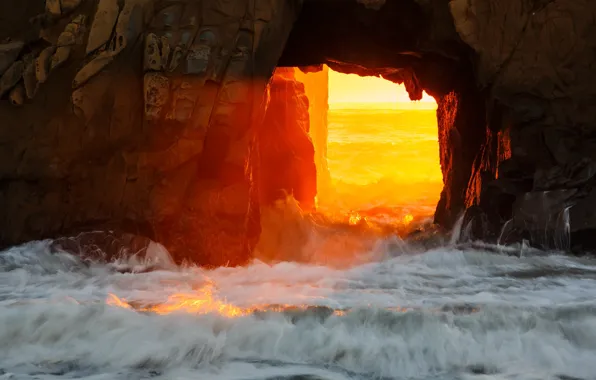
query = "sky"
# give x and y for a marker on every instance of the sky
(351, 88)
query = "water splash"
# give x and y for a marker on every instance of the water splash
(456, 233)
(562, 233)
(507, 227)
(438, 313)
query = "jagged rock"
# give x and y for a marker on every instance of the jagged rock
(177, 56)
(92, 68)
(152, 53)
(53, 7)
(573, 174)
(17, 95)
(103, 24)
(60, 56)
(185, 39)
(157, 53)
(129, 25)
(11, 77)
(77, 28)
(9, 53)
(285, 148)
(535, 58)
(544, 215)
(183, 101)
(69, 38)
(197, 59)
(84, 105)
(466, 26)
(42, 64)
(156, 90)
(581, 221)
(69, 5)
(165, 52)
(29, 78)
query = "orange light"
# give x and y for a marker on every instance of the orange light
(408, 219)
(352, 88)
(201, 302)
(355, 218)
(113, 300)
(382, 151)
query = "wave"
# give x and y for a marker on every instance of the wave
(401, 312)
(369, 342)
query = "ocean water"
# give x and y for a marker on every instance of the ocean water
(447, 313)
(323, 301)
(385, 157)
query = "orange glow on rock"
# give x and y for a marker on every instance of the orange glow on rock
(384, 177)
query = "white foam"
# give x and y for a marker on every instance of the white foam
(529, 323)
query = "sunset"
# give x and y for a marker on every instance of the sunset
(351, 88)
(188, 191)
(382, 147)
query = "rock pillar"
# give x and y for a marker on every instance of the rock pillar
(287, 155)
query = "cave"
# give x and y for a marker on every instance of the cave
(382, 150)
(376, 151)
(140, 119)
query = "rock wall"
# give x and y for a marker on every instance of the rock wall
(136, 116)
(409, 42)
(316, 85)
(535, 61)
(286, 152)
(139, 116)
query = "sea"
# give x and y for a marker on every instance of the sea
(353, 304)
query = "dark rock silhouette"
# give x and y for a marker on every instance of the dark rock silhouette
(140, 116)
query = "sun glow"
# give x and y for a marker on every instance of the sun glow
(372, 92)
(382, 150)
(202, 302)
(378, 174)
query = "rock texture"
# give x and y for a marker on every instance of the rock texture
(416, 45)
(160, 150)
(535, 59)
(286, 152)
(515, 90)
(140, 116)
(316, 87)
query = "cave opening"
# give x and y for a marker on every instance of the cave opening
(377, 152)
(343, 158)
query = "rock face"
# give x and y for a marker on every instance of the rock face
(316, 86)
(541, 89)
(140, 116)
(286, 152)
(160, 150)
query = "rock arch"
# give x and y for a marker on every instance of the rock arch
(139, 116)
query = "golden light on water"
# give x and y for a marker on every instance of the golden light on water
(382, 148)
(354, 218)
(201, 302)
(408, 218)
